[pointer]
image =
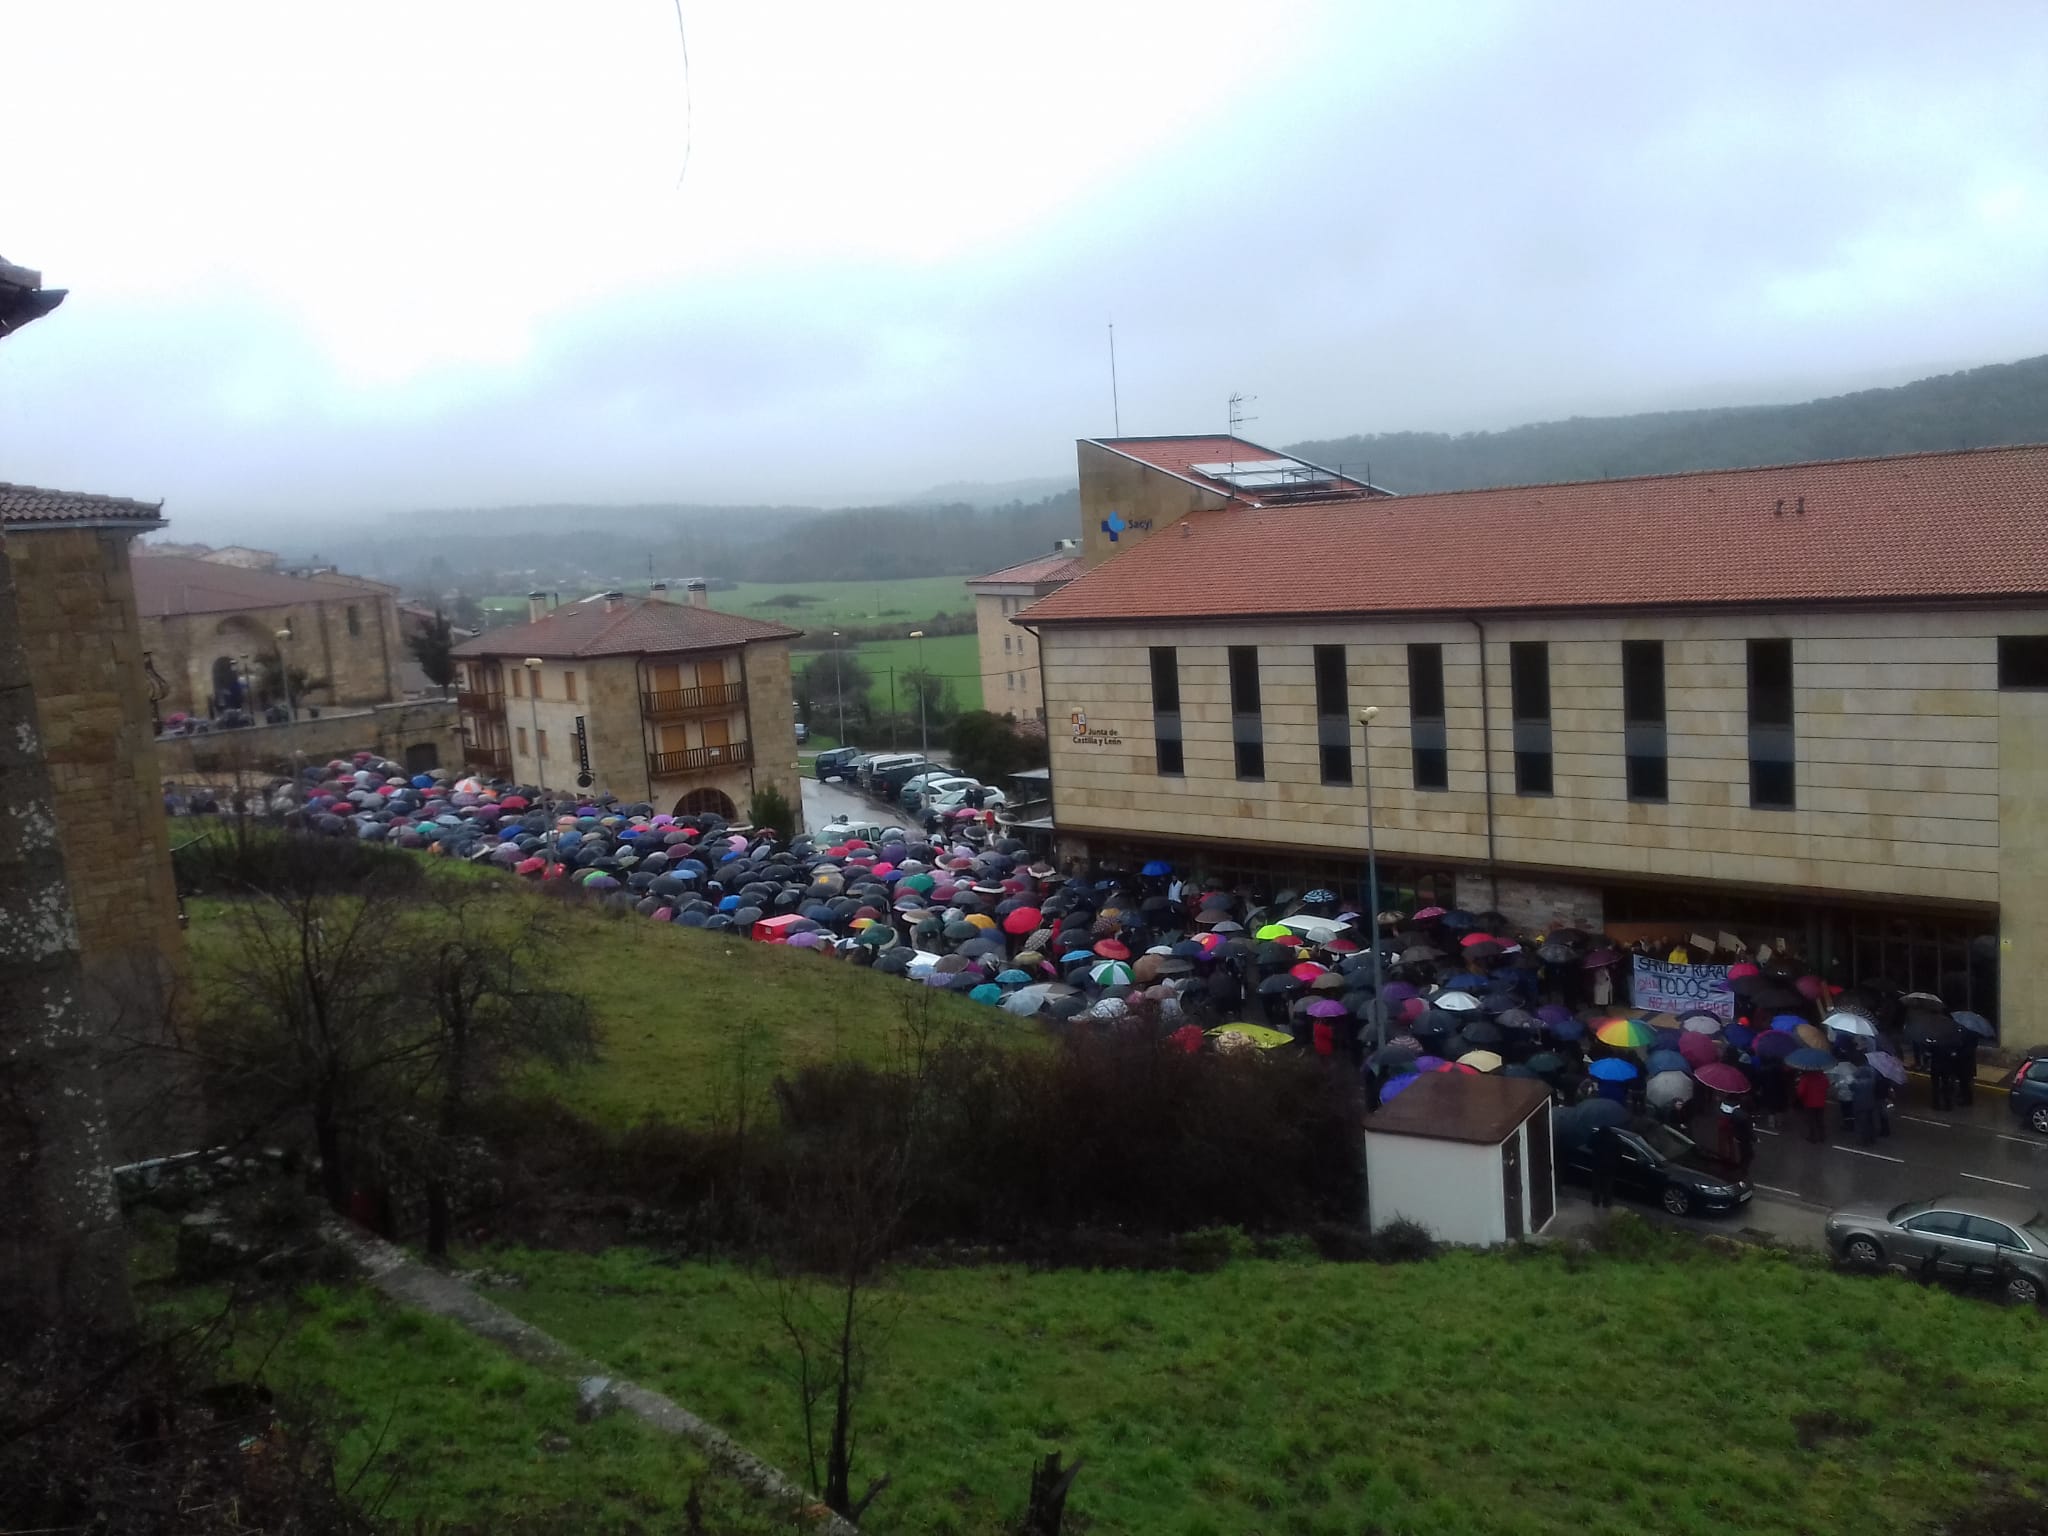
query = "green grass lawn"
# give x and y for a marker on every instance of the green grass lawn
(678, 1009)
(826, 605)
(447, 1429)
(956, 658)
(1525, 1393)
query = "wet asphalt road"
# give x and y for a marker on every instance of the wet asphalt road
(828, 802)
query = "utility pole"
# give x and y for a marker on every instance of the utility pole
(839, 687)
(1372, 884)
(924, 734)
(63, 1251)
(892, 709)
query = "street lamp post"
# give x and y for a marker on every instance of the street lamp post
(540, 768)
(1372, 883)
(839, 687)
(284, 672)
(924, 735)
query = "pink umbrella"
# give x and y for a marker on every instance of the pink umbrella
(1722, 1078)
(1743, 968)
(1698, 1049)
(1326, 1008)
(1308, 970)
(1426, 913)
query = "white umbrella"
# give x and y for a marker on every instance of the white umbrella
(1455, 1002)
(1702, 1024)
(1849, 1024)
(1485, 1061)
(1669, 1088)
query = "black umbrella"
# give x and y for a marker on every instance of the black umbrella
(1278, 986)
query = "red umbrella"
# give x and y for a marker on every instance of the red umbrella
(1698, 1049)
(1023, 920)
(1743, 968)
(1722, 1078)
(1109, 949)
(1308, 970)
(1479, 938)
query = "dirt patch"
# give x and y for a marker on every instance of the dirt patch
(1817, 1427)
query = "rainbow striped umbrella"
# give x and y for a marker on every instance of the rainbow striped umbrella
(1625, 1034)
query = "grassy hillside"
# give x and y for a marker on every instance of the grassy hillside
(2006, 403)
(818, 607)
(677, 1008)
(1692, 1392)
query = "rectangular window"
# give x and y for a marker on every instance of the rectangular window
(1429, 757)
(518, 682)
(538, 691)
(2023, 661)
(1247, 724)
(1166, 746)
(1529, 688)
(542, 738)
(1333, 714)
(1642, 719)
(519, 738)
(1772, 779)
(569, 686)
(355, 619)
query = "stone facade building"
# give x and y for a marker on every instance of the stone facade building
(675, 704)
(1010, 683)
(90, 667)
(1804, 705)
(212, 628)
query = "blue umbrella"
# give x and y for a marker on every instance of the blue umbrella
(1157, 867)
(987, 992)
(728, 903)
(1666, 1040)
(1565, 1029)
(1739, 1036)
(1394, 1087)
(1612, 1069)
(1775, 1042)
(1976, 1024)
(1073, 955)
(1013, 977)
(1787, 1022)
(1668, 1061)
(1807, 1059)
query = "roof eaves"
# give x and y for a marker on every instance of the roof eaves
(1212, 487)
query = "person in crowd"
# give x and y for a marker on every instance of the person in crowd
(1863, 1103)
(1606, 1164)
(1812, 1093)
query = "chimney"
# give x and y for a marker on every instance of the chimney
(658, 591)
(614, 601)
(700, 595)
(536, 605)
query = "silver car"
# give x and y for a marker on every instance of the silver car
(1955, 1237)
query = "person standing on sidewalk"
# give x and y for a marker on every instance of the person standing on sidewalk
(1813, 1093)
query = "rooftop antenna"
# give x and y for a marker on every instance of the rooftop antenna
(1237, 415)
(1116, 409)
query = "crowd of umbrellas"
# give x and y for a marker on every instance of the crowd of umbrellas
(1222, 969)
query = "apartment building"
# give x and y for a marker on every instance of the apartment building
(1009, 654)
(673, 703)
(1805, 704)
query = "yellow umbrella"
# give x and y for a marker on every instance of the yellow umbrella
(981, 920)
(1485, 1061)
(1276, 931)
(1258, 1034)
(1811, 1035)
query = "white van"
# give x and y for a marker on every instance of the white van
(881, 763)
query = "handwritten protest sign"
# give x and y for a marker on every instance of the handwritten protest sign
(1672, 988)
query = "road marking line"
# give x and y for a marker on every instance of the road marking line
(1772, 1189)
(1762, 1132)
(2022, 1141)
(1882, 1157)
(1985, 1178)
(1918, 1121)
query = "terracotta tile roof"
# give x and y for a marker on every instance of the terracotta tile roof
(639, 627)
(169, 585)
(1180, 455)
(30, 506)
(1031, 573)
(1916, 526)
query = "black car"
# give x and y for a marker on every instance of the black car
(835, 761)
(1661, 1167)
(2029, 1096)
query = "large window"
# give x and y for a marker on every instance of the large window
(569, 686)
(1427, 755)
(1247, 725)
(1166, 747)
(1333, 722)
(2023, 661)
(1771, 776)
(1642, 719)
(1529, 687)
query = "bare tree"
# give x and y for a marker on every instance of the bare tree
(471, 961)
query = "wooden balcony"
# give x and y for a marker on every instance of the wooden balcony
(479, 703)
(674, 765)
(667, 703)
(492, 760)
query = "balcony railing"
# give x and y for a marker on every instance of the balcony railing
(480, 703)
(681, 701)
(491, 759)
(670, 765)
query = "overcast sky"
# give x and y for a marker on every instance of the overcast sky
(329, 260)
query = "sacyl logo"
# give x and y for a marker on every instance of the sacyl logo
(1113, 525)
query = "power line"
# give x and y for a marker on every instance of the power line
(683, 38)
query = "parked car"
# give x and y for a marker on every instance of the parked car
(803, 733)
(933, 790)
(846, 831)
(2029, 1096)
(836, 763)
(992, 799)
(1661, 1167)
(888, 782)
(1965, 1238)
(871, 771)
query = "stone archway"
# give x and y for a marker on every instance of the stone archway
(699, 802)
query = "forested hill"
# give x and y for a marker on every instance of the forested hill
(2004, 403)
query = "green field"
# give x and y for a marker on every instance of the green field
(678, 1009)
(956, 658)
(1690, 1391)
(826, 605)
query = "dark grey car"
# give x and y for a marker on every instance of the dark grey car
(1955, 1237)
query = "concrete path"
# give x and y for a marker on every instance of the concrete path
(391, 1270)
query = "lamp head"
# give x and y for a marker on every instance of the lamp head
(283, 635)
(532, 663)
(917, 634)
(1367, 715)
